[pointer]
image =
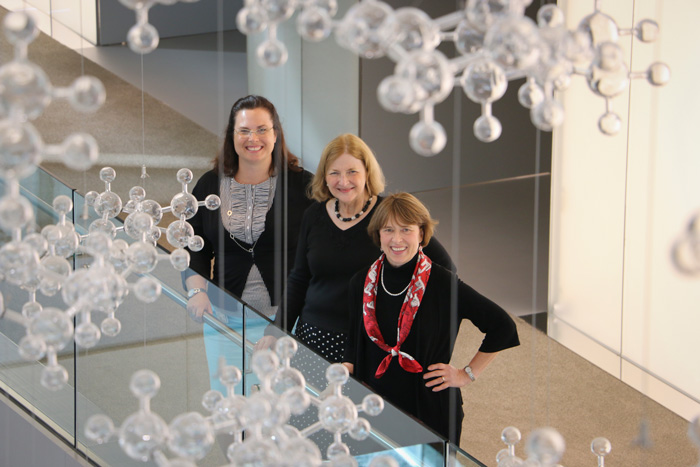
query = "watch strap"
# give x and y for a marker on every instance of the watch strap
(469, 372)
(192, 292)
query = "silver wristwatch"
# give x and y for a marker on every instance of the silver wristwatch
(469, 372)
(192, 292)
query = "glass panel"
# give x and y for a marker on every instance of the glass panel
(21, 378)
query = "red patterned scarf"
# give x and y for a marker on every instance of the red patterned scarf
(411, 302)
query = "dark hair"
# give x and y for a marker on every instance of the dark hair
(405, 209)
(226, 161)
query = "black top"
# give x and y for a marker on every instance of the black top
(288, 206)
(431, 340)
(327, 257)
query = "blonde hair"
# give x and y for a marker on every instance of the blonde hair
(405, 209)
(346, 144)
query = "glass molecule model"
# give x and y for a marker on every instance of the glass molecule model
(262, 417)
(143, 37)
(685, 252)
(496, 44)
(545, 448)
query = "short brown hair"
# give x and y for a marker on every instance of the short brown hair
(346, 144)
(405, 209)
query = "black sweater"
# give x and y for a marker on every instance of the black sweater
(275, 250)
(431, 340)
(327, 257)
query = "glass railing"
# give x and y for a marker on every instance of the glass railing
(161, 337)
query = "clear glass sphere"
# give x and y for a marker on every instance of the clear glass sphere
(609, 123)
(25, 90)
(79, 151)
(184, 176)
(510, 461)
(210, 399)
(264, 363)
(550, 16)
(99, 428)
(331, 6)
(191, 436)
(195, 243)
(117, 255)
(487, 128)
(108, 174)
(367, 29)
(108, 205)
(179, 233)
(99, 286)
(53, 326)
(143, 38)
(530, 94)
(20, 27)
(67, 240)
(231, 410)
(87, 94)
(511, 435)
(600, 28)
(546, 445)
(142, 257)
(251, 19)
(20, 149)
(658, 74)
(339, 454)
(300, 451)
(399, 94)
(54, 378)
(91, 197)
(142, 433)
(180, 259)
(360, 430)
(547, 115)
(31, 309)
(278, 10)
(431, 71)
(272, 53)
(482, 14)
(514, 43)
(254, 451)
(111, 326)
(287, 378)
(314, 24)
(153, 209)
(137, 194)
(105, 226)
(18, 262)
(337, 413)
(32, 348)
(601, 447)
(16, 212)
(337, 373)
(87, 335)
(608, 75)
(484, 81)
(416, 30)
(55, 269)
(372, 405)
(647, 30)
(229, 375)
(184, 204)
(147, 289)
(144, 383)
(62, 204)
(297, 399)
(468, 40)
(286, 347)
(36, 241)
(427, 139)
(212, 202)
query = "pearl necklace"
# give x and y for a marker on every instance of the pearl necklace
(392, 294)
(350, 219)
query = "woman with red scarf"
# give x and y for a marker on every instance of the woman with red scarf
(405, 322)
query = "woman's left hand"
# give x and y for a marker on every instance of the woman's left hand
(441, 376)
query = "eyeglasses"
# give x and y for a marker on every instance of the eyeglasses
(245, 133)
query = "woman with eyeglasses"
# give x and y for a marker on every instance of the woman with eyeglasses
(252, 237)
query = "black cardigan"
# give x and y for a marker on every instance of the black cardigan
(232, 263)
